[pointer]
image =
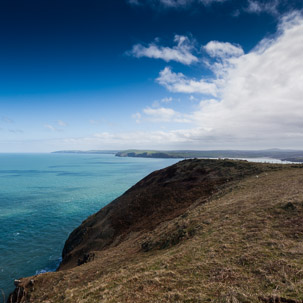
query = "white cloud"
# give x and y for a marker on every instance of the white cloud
(164, 114)
(182, 52)
(192, 98)
(261, 100)
(161, 114)
(223, 49)
(257, 7)
(178, 83)
(166, 100)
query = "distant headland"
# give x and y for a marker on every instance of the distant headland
(279, 154)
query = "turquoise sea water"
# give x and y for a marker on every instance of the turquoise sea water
(43, 197)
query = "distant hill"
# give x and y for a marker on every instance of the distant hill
(218, 231)
(280, 154)
(284, 155)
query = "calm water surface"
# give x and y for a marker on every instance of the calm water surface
(43, 197)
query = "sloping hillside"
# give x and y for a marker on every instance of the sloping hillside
(198, 231)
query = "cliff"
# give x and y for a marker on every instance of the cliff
(198, 231)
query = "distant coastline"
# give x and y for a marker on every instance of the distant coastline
(279, 154)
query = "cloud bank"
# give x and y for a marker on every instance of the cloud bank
(255, 99)
(179, 53)
(262, 95)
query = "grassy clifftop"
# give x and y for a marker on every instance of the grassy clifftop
(198, 231)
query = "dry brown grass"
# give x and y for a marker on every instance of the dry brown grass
(244, 245)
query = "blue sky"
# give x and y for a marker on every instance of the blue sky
(161, 74)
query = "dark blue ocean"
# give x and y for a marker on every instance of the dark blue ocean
(43, 197)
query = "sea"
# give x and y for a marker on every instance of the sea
(43, 197)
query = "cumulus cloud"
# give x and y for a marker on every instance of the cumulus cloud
(261, 99)
(223, 50)
(255, 102)
(182, 52)
(164, 114)
(223, 54)
(178, 83)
